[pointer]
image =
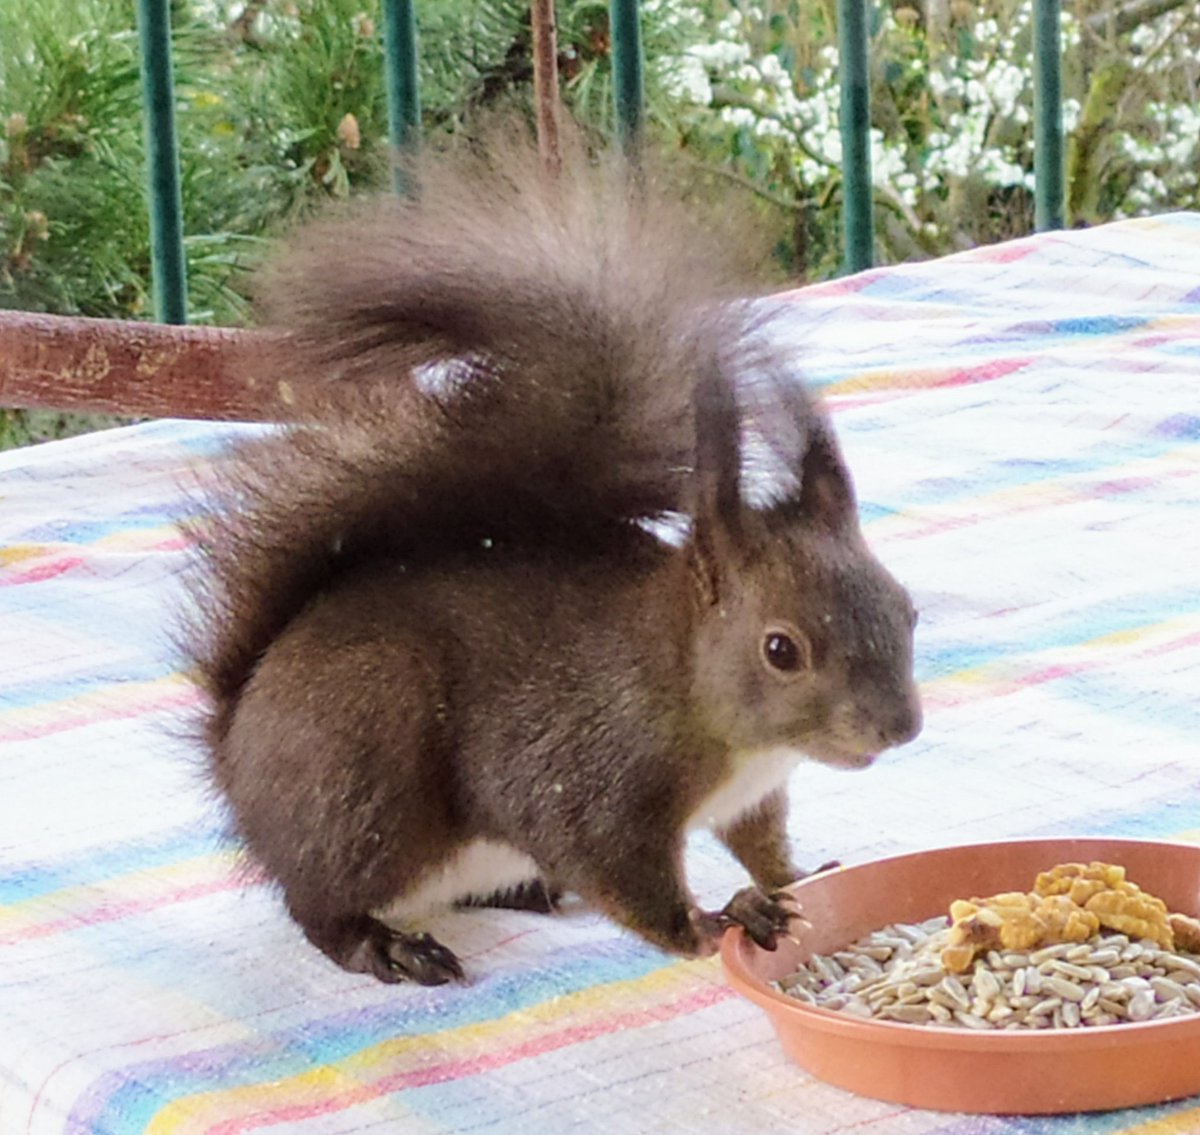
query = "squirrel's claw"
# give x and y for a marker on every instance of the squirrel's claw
(828, 865)
(394, 956)
(764, 917)
(423, 959)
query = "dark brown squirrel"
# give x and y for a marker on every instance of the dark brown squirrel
(449, 657)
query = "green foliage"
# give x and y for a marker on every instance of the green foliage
(71, 199)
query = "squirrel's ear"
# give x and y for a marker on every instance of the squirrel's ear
(717, 500)
(799, 434)
(825, 495)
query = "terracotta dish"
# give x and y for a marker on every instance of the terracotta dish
(929, 1066)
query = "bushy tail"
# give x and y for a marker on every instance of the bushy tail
(510, 358)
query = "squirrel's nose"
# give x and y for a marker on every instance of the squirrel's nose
(901, 723)
(906, 722)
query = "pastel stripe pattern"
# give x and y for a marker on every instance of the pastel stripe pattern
(1023, 423)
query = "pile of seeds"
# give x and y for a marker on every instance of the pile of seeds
(896, 974)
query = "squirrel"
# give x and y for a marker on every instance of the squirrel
(491, 616)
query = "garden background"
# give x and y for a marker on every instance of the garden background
(281, 107)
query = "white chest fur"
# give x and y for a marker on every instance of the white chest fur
(755, 773)
(480, 869)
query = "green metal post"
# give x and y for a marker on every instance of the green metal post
(627, 72)
(168, 266)
(1048, 192)
(855, 129)
(403, 89)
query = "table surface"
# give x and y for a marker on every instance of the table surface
(1023, 424)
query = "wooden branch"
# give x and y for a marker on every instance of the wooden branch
(545, 83)
(1132, 15)
(135, 369)
(790, 206)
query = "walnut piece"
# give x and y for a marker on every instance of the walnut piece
(1068, 903)
(1187, 932)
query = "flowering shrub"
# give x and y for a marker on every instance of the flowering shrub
(755, 88)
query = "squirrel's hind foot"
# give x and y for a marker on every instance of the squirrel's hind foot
(362, 944)
(418, 957)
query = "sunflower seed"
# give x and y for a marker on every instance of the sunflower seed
(1141, 1006)
(1167, 990)
(953, 988)
(1172, 1008)
(1071, 971)
(1046, 953)
(908, 1014)
(971, 1020)
(930, 975)
(858, 1008)
(1187, 965)
(877, 953)
(986, 984)
(1045, 1008)
(1061, 987)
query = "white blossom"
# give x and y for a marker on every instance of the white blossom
(686, 78)
(740, 116)
(1006, 83)
(945, 85)
(720, 53)
(1070, 114)
(978, 120)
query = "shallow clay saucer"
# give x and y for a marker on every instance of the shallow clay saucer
(930, 1066)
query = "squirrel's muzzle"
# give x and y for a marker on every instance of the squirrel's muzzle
(904, 724)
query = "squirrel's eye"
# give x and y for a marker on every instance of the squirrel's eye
(781, 652)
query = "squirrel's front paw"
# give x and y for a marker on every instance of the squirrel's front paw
(764, 917)
(710, 926)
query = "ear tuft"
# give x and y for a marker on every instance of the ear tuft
(716, 530)
(826, 494)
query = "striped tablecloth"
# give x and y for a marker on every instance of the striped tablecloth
(1023, 422)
